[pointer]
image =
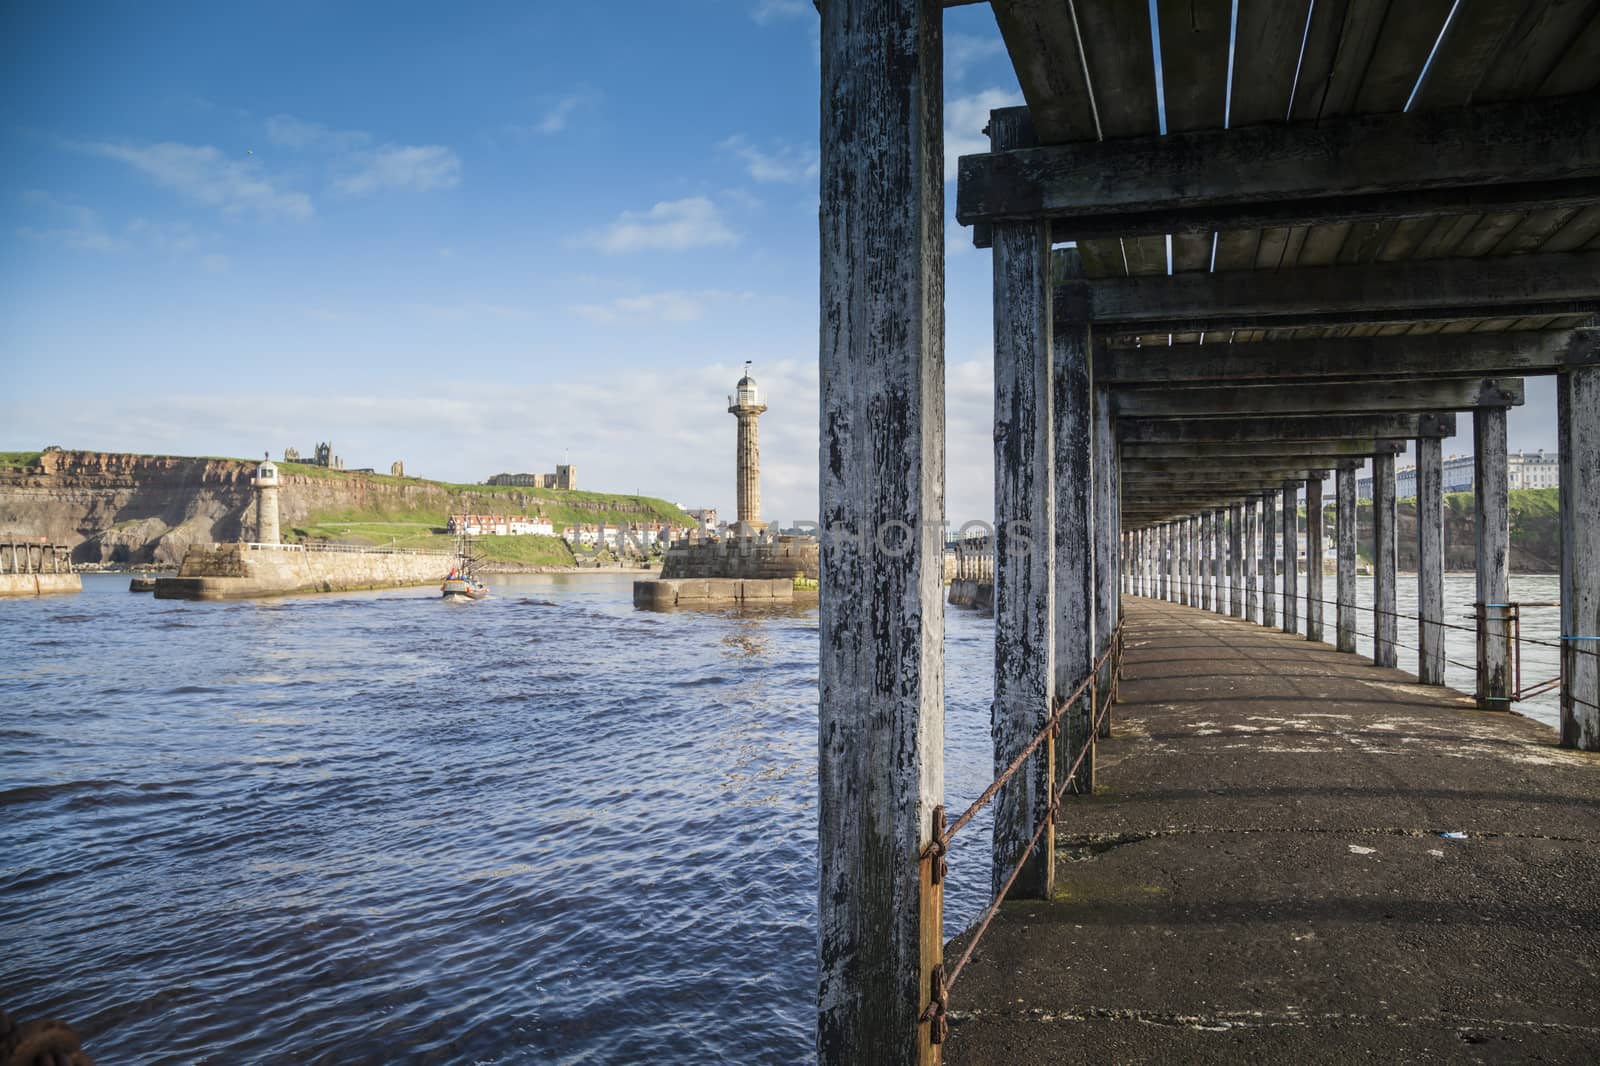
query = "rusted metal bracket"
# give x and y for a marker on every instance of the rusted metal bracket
(937, 848)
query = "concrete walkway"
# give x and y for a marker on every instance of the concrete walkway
(1261, 877)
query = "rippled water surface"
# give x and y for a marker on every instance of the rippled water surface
(378, 827)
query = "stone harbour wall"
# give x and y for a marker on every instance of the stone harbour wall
(241, 571)
(39, 584)
(737, 557)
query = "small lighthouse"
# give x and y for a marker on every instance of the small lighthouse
(745, 405)
(266, 485)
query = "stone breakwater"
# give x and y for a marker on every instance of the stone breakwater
(39, 584)
(702, 592)
(741, 557)
(245, 571)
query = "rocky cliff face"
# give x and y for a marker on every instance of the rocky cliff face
(116, 508)
(125, 508)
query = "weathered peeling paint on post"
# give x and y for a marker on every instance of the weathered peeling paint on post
(1219, 560)
(881, 618)
(1074, 497)
(1578, 413)
(1163, 537)
(1236, 561)
(1291, 554)
(1492, 505)
(1252, 597)
(1430, 560)
(1269, 558)
(1385, 561)
(1196, 559)
(1345, 554)
(1024, 512)
(1106, 505)
(1314, 558)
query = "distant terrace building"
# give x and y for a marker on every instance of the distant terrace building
(565, 477)
(1525, 470)
(500, 525)
(706, 517)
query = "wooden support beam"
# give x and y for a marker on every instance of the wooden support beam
(1492, 527)
(1387, 358)
(881, 624)
(1327, 451)
(1251, 560)
(1410, 291)
(1269, 558)
(1074, 526)
(1219, 557)
(1345, 554)
(1430, 562)
(1291, 553)
(1521, 155)
(1445, 394)
(1106, 505)
(1314, 541)
(1385, 561)
(1295, 429)
(1024, 511)
(1578, 412)
(1236, 560)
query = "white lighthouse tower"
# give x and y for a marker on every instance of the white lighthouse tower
(266, 485)
(746, 405)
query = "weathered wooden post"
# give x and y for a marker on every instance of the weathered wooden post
(1492, 505)
(1269, 559)
(1104, 448)
(1162, 536)
(1196, 524)
(1251, 595)
(1024, 513)
(881, 620)
(1314, 556)
(1430, 560)
(1345, 551)
(1385, 560)
(1578, 412)
(1074, 524)
(1219, 560)
(1236, 561)
(1291, 556)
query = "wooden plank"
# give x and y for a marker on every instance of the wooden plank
(1340, 44)
(1533, 49)
(1335, 295)
(1038, 35)
(1578, 420)
(1117, 49)
(1499, 156)
(1579, 231)
(1288, 429)
(1439, 394)
(1322, 450)
(1409, 32)
(1477, 34)
(881, 621)
(1194, 57)
(1266, 55)
(1492, 532)
(1578, 70)
(1238, 249)
(1446, 235)
(1376, 358)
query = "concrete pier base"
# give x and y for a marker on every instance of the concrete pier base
(39, 584)
(713, 591)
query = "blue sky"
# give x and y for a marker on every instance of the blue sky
(475, 243)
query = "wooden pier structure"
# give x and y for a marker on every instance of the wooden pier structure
(1328, 229)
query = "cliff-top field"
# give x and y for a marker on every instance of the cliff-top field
(116, 507)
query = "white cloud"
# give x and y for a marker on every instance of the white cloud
(203, 174)
(70, 225)
(677, 305)
(768, 11)
(965, 50)
(672, 225)
(787, 163)
(964, 120)
(555, 116)
(419, 167)
(290, 132)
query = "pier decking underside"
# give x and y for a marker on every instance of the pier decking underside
(1261, 875)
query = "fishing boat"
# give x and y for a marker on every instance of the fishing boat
(462, 582)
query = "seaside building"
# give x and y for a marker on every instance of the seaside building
(565, 477)
(500, 525)
(746, 405)
(1525, 470)
(705, 517)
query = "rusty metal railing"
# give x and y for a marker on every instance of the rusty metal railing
(936, 1013)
